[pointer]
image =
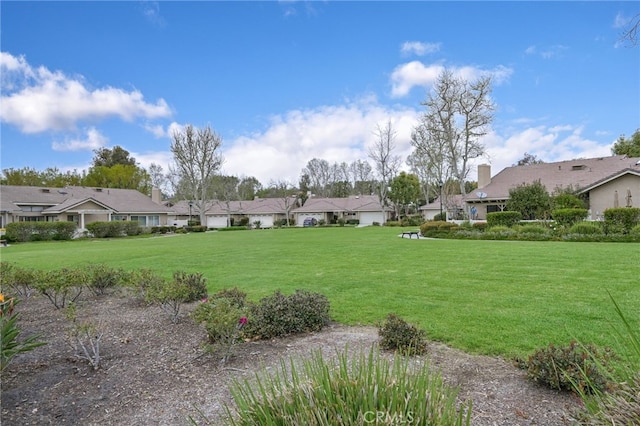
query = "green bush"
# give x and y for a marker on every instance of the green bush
(202, 228)
(530, 228)
(566, 201)
(479, 226)
(506, 218)
(341, 221)
(635, 231)
(365, 388)
(223, 321)
(108, 229)
(567, 217)
(437, 228)
(578, 367)
(280, 315)
(586, 228)
(195, 285)
(621, 220)
(40, 231)
(237, 297)
(61, 286)
(353, 222)
(397, 335)
(101, 278)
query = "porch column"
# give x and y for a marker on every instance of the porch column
(82, 219)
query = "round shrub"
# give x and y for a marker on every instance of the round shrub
(531, 229)
(397, 335)
(578, 367)
(506, 218)
(635, 231)
(567, 217)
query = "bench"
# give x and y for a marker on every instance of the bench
(411, 234)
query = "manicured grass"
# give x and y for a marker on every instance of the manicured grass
(492, 297)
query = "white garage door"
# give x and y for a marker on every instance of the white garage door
(303, 216)
(216, 221)
(266, 220)
(367, 218)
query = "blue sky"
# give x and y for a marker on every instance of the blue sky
(285, 82)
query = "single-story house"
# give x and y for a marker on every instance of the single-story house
(267, 211)
(80, 204)
(364, 208)
(604, 182)
(452, 205)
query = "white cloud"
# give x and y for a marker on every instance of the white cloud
(411, 74)
(340, 133)
(549, 144)
(37, 100)
(93, 140)
(151, 11)
(419, 48)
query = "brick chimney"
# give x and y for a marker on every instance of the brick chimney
(156, 195)
(484, 175)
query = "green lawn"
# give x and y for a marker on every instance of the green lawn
(491, 297)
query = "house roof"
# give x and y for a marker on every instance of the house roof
(61, 199)
(451, 201)
(354, 203)
(580, 174)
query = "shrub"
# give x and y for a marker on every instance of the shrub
(566, 201)
(621, 220)
(101, 278)
(479, 226)
(223, 321)
(437, 228)
(200, 228)
(61, 286)
(279, 315)
(586, 228)
(635, 231)
(365, 388)
(113, 229)
(574, 367)
(243, 221)
(397, 335)
(84, 337)
(236, 297)
(440, 217)
(567, 217)
(341, 221)
(171, 295)
(12, 343)
(20, 281)
(353, 222)
(506, 218)
(531, 228)
(40, 231)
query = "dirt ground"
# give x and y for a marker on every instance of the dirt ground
(154, 372)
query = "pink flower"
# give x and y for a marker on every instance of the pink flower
(242, 321)
(205, 300)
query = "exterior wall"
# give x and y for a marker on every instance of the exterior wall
(602, 197)
(217, 221)
(266, 220)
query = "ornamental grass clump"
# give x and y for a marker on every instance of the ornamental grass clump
(364, 388)
(12, 343)
(398, 335)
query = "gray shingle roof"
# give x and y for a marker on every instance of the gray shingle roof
(578, 174)
(361, 203)
(118, 200)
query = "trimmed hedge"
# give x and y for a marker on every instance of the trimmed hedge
(40, 231)
(508, 218)
(620, 220)
(113, 229)
(568, 217)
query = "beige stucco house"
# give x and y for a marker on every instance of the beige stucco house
(80, 204)
(364, 208)
(604, 182)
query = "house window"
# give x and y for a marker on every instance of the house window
(146, 220)
(32, 208)
(491, 208)
(73, 218)
(118, 217)
(32, 218)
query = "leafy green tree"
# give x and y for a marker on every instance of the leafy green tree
(110, 157)
(528, 159)
(628, 146)
(119, 176)
(248, 187)
(532, 201)
(405, 189)
(51, 176)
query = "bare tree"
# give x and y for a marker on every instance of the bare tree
(362, 177)
(225, 190)
(196, 160)
(287, 193)
(319, 172)
(386, 162)
(630, 34)
(458, 115)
